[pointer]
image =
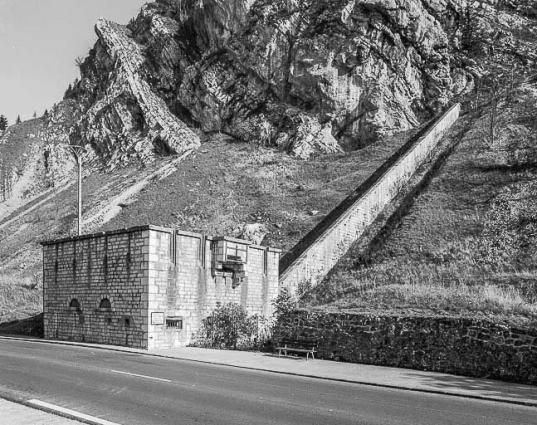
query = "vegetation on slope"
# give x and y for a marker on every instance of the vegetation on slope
(15, 151)
(217, 191)
(467, 245)
(228, 185)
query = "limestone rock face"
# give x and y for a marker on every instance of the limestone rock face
(305, 75)
(361, 68)
(128, 117)
(254, 232)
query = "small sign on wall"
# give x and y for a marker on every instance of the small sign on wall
(157, 318)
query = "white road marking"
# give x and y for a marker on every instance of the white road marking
(72, 413)
(140, 376)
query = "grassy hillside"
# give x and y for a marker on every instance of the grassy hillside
(467, 245)
(217, 190)
(16, 149)
(227, 185)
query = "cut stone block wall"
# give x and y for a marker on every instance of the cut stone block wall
(148, 274)
(320, 250)
(460, 346)
(186, 285)
(110, 266)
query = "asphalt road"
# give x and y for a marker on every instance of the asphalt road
(137, 389)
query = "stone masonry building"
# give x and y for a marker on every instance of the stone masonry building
(150, 287)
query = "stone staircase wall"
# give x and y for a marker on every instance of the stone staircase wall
(320, 250)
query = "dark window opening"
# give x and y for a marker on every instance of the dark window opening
(127, 322)
(265, 261)
(105, 304)
(108, 321)
(74, 303)
(174, 323)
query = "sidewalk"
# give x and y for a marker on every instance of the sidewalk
(390, 377)
(18, 414)
(404, 379)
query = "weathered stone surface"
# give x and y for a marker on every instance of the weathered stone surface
(352, 69)
(128, 107)
(454, 345)
(142, 273)
(254, 232)
(304, 75)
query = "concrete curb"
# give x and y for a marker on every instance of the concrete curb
(25, 403)
(324, 378)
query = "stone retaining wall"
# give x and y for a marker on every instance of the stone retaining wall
(459, 346)
(319, 251)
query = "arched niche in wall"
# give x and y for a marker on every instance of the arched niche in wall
(105, 304)
(74, 304)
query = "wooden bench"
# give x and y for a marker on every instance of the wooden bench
(300, 345)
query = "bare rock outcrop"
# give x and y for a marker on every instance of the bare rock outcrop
(360, 68)
(304, 75)
(128, 118)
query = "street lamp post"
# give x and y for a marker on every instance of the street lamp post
(77, 153)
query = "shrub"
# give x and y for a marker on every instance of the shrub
(3, 123)
(284, 303)
(230, 327)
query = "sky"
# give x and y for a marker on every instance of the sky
(39, 43)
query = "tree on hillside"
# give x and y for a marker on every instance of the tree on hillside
(45, 114)
(79, 61)
(3, 123)
(18, 119)
(468, 26)
(68, 92)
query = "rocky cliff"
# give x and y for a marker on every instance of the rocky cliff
(305, 75)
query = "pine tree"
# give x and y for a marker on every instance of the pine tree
(45, 114)
(18, 119)
(3, 123)
(35, 114)
(468, 26)
(68, 91)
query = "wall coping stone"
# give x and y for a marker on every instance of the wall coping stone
(107, 233)
(157, 229)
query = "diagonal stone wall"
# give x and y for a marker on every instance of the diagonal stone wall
(320, 250)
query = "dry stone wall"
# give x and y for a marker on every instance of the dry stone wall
(319, 251)
(459, 346)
